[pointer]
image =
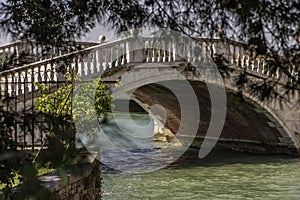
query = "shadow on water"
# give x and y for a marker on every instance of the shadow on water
(216, 158)
(220, 157)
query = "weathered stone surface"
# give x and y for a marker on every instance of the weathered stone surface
(83, 183)
(244, 129)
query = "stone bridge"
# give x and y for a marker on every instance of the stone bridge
(145, 66)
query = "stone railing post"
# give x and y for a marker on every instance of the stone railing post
(23, 49)
(135, 48)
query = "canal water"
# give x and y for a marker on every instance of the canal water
(135, 167)
(221, 175)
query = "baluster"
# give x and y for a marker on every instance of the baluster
(88, 64)
(19, 84)
(26, 88)
(163, 51)
(117, 55)
(208, 52)
(52, 71)
(174, 50)
(39, 78)
(13, 87)
(202, 53)
(200, 56)
(248, 62)
(122, 49)
(95, 69)
(147, 51)
(152, 55)
(232, 54)
(59, 51)
(252, 62)
(237, 56)
(188, 49)
(82, 73)
(127, 52)
(120, 54)
(170, 50)
(15, 49)
(106, 66)
(268, 69)
(263, 66)
(100, 60)
(45, 73)
(258, 65)
(158, 51)
(213, 48)
(76, 60)
(113, 57)
(154, 52)
(32, 80)
(243, 58)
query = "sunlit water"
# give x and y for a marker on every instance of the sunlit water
(221, 175)
(229, 176)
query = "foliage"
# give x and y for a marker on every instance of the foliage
(270, 28)
(47, 21)
(61, 107)
(102, 99)
(260, 23)
(9, 160)
(57, 110)
(59, 102)
(89, 97)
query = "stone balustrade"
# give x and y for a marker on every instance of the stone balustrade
(22, 52)
(96, 59)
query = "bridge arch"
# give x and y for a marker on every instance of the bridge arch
(269, 135)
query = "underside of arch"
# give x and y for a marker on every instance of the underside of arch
(248, 127)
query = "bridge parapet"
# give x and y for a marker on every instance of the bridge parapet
(94, 60)
(23, 52)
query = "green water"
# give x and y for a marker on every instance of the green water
(219, 176)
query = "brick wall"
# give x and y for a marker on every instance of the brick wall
(82, 183)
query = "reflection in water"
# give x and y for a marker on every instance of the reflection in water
(222, 175)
